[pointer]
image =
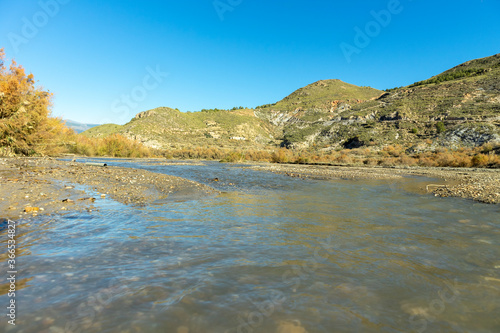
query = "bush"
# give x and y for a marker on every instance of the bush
(280, 156)
(111, 146)
(25, 124)
(233, 157)
(440, 127)
(480, 160)
(302, 159)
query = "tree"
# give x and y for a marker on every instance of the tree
(25, 124)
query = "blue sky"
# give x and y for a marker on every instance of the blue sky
(105, 61)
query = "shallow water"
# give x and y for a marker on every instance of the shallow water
(270, 254)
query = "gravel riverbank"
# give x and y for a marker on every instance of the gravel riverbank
(481, 185)
(35, 186)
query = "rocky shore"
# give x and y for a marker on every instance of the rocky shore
(35, 186)
(481, 185)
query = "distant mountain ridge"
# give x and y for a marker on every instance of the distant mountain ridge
(79, 127)
(459, 107)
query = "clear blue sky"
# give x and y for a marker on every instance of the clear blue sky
(92, 54)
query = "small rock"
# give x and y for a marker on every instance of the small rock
(29, 209)
(90, 199)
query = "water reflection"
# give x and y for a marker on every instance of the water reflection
(274, 255)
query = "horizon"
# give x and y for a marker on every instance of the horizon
(106, 62)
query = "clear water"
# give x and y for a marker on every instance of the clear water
(270, 254)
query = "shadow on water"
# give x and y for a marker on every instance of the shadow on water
(270, 254)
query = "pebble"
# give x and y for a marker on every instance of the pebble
(30, 209)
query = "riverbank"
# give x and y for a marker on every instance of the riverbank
(36, 186)
(482, 185)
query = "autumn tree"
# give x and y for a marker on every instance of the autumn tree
(25, 124)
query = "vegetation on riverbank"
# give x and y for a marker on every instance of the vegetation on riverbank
(486, 156)
(26, 126)
(114, 145)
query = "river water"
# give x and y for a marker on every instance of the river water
(269, 254)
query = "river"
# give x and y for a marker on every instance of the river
(269, 254)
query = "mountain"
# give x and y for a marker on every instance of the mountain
(301, 115)
(324, 95)
(459, 107)
(77, 126)
(169, 128)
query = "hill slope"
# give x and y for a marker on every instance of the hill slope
(168, 128)
(324, 95)
(315, 102)
(460, 107)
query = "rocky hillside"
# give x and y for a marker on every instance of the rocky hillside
(459, 107)
(168, 128)
(315, 102)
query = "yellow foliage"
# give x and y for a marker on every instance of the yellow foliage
(25, 123)
(114, 145)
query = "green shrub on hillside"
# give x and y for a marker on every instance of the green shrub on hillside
(451, 76)
(440, 127)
